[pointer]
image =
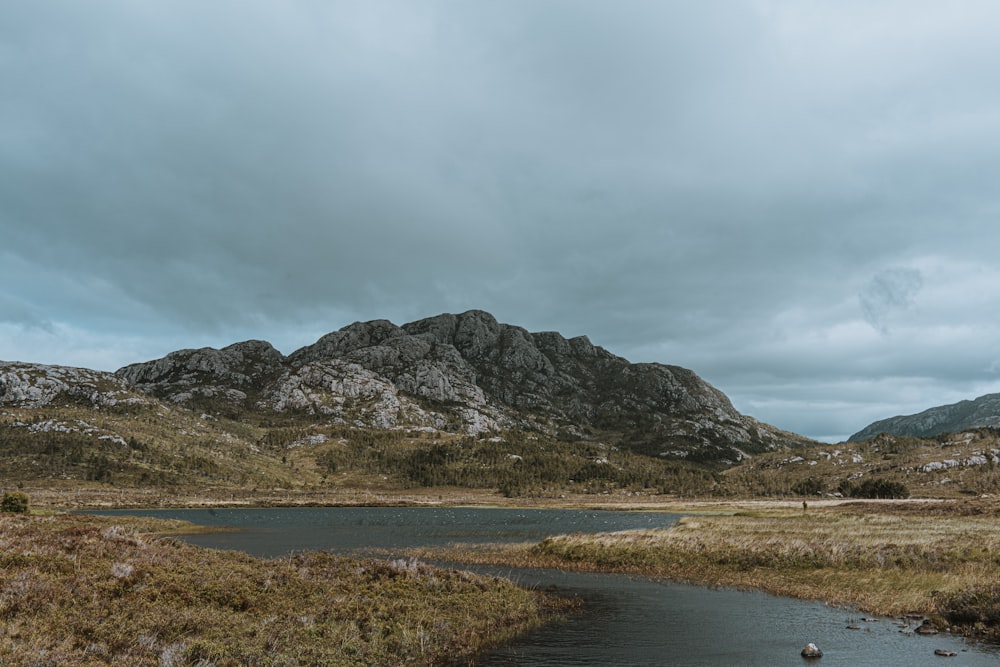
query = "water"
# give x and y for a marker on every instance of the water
(279, 531)
(626, 620)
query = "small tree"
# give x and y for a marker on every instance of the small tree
(14, 501)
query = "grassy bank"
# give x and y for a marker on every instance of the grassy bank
(78, 590)
(871, 557)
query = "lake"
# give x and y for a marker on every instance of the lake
(626, 620)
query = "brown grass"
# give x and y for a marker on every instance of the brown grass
(867, 557)
(77, 590)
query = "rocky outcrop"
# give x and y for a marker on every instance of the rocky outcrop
(231, 374)
(37, 385)
(468, 373)
(963, 416)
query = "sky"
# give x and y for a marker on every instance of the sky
(796, 199)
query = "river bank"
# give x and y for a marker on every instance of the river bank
(85, 590)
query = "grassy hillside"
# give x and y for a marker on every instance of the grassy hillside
(964, 464)
(136, 442)
(154, 445)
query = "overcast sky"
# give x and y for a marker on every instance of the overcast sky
(799, 200)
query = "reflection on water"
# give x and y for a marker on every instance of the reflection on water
(626, 620)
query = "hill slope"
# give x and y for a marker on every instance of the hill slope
(963, 464)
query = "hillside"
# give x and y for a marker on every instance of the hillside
(956, 465)
(452, 400)
(984, 412)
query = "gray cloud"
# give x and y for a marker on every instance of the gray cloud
(889, 290)
(722, 188)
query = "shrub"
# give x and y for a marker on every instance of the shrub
(874, 488)
(812, 486)
(14, 501)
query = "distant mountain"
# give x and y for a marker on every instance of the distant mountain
(465, 373)
(961, 416)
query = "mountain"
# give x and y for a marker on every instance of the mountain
(962, 416)
(469, 374)
(452, 400)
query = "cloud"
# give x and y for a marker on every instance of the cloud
(888, 291)
(792, 200)
(14, 311)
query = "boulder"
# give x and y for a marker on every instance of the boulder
(811, 651)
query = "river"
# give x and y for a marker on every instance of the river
(626, 620)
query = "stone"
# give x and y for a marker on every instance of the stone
(811, 651)
(927, 628)
(945, 653)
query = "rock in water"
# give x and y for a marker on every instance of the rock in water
(811, 651)
(927, 628)
(945, 653)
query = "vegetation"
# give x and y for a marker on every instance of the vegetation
(874, 488)
(171, 449)
(883, 559)
(950, 466)
(14, 501)
(517, 464)
(78, 590)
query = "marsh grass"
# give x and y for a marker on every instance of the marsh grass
(880, 563)
(79, 590)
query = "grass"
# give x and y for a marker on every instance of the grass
(949, 466)
(80, 590)
(865, 556)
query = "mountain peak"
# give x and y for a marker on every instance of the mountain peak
(470, 373)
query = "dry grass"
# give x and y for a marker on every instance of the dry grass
(868, 557)
(953, 466)
(78, 590)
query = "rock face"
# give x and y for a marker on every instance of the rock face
(230, 375)
(962, 416)
(466, 373)
(38, 385)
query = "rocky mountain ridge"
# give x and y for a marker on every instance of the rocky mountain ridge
(464, 373)
(982, 412)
